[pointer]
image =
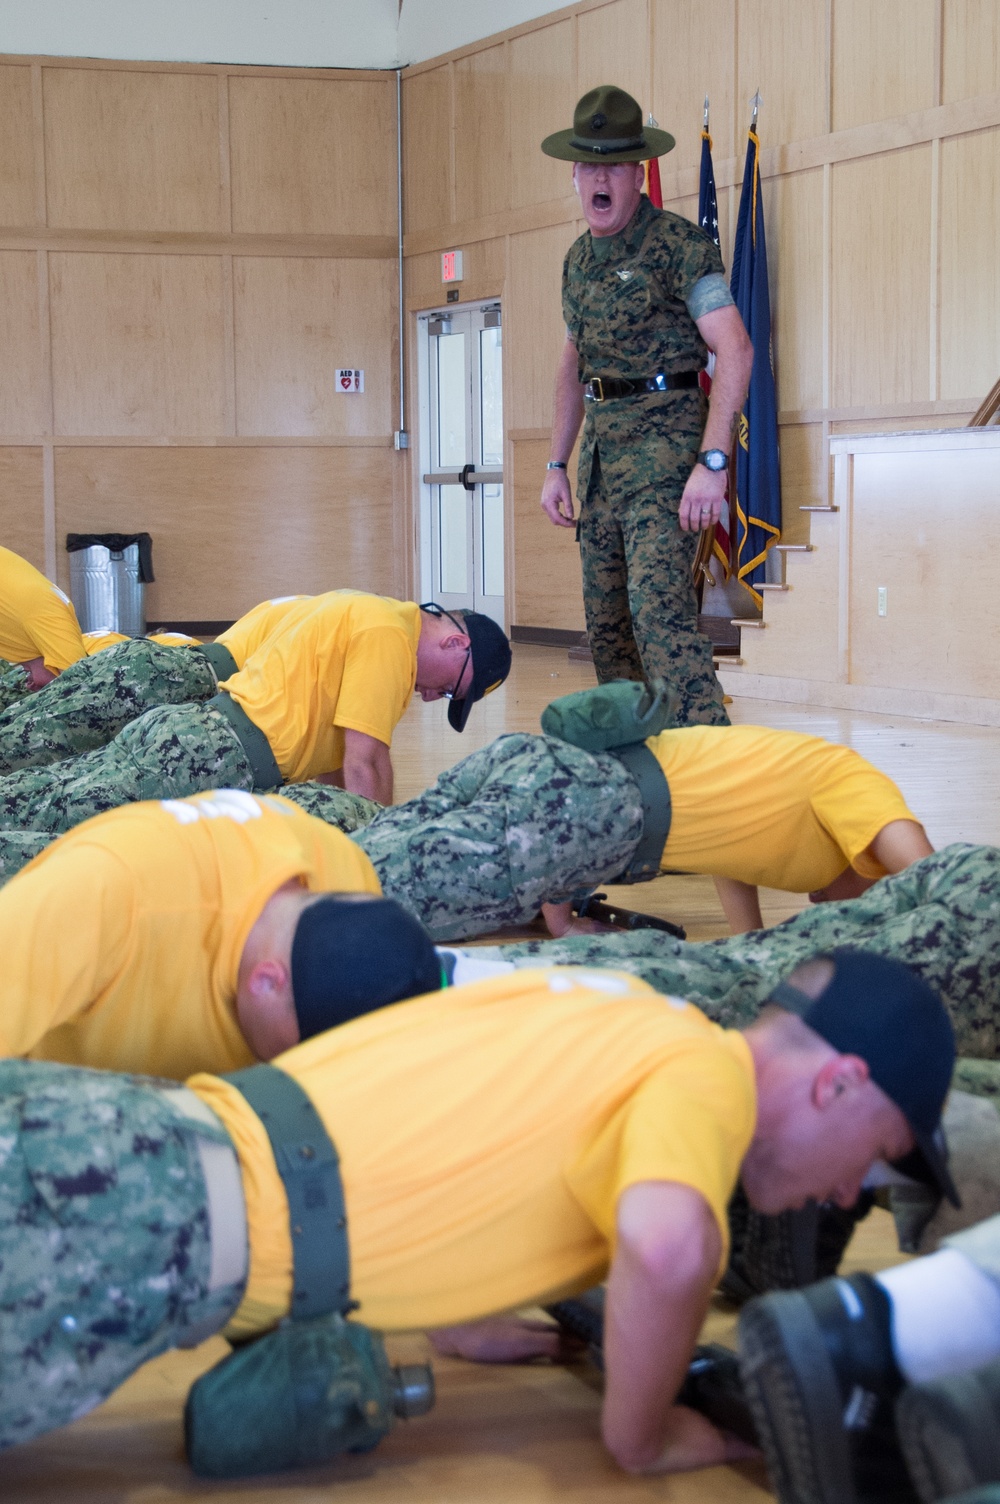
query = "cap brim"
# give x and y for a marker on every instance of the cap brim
(928, 1163)
(656, 143)
(459, 712)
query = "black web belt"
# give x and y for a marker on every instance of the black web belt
(656, 810)
(602, 388)
(266, 773)
(309, 1167)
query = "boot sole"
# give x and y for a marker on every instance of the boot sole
(948, 1436)
(795, 1402)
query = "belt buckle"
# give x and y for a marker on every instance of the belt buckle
(596, 393)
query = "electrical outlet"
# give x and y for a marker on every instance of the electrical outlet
(883, 600)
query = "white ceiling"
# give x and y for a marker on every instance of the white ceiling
(289, 33)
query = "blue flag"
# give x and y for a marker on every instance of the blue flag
(758, 481)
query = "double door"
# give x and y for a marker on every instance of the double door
(463, 511)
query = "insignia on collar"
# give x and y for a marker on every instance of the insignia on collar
(625, 273)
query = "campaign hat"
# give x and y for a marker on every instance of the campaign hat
(607, 127)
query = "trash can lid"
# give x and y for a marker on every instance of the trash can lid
(117, 543)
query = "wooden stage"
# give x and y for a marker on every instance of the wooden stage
(507, 1435)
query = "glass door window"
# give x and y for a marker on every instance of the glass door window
(463, 482)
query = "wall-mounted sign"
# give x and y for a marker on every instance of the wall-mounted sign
(451, 266)
(350, 381)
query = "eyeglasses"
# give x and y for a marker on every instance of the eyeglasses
(433, 609)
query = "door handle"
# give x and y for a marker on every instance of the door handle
(465, 477)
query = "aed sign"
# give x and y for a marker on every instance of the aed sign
(350, 381)
(451, 266)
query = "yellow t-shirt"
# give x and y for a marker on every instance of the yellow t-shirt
(122, 940)
(246, 635)
(775, 808)
(485, 1134)
(36, 619)
(335, 662)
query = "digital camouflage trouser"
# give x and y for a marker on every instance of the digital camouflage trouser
(91, 701)
(165, 754)
(14, 684)
(527, 820)
(641, 607)
(348, 812)
(105, 1238)
(941, 916)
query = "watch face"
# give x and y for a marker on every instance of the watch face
(714, 459)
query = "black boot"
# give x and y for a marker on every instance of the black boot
(949, 1430)
(821, 1381)
(789, 1251)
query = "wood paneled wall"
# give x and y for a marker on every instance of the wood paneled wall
(880, 126)
(186, 255)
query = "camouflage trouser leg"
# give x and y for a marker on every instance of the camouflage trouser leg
(527, 820)
(105, 1238)
(165, 754)
(347, 812)
(14, 684)
(642, 611)
(941, 916)
(18, 847)
(90, 702)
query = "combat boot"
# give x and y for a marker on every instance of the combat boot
(821, 1381)
(949, 1432)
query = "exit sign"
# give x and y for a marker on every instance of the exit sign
(451, 266)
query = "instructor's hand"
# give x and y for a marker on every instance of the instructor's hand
(557, 499)
(701, 503)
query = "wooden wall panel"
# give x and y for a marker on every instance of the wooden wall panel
(296, 321)
(232, 527)
(783, 53)
(543, 93)
(482, 133)
(805, 465)
(969, 288)
(313, 156)
(970, 45)
(23, 396)
(613, 47)
(485, 269)
(880, 316)
(534, 328)
(884, 60)
(680, 85)
(548, 592)
(132, 150)
(427, 147)
(138, 344)
(18, 205)
(22, 524)
(793, 216)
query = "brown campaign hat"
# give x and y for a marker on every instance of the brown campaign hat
(607, 127)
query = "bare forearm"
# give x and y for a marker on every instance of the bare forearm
(371, 779)
(658, 1293)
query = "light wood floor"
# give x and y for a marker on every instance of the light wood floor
(514, 1435)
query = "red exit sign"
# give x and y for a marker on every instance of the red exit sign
(451, 266)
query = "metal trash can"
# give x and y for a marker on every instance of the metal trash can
(108, 575)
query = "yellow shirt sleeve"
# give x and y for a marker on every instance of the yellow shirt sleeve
(377, 682)
(690, 1126)
(56, 966)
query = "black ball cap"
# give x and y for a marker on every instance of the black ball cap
(491, 659)
(351, 955)
(885, 1013)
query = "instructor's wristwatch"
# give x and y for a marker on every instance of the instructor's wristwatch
(713, 459)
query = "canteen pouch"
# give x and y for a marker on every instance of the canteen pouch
(295, 1397)
(611, 715)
